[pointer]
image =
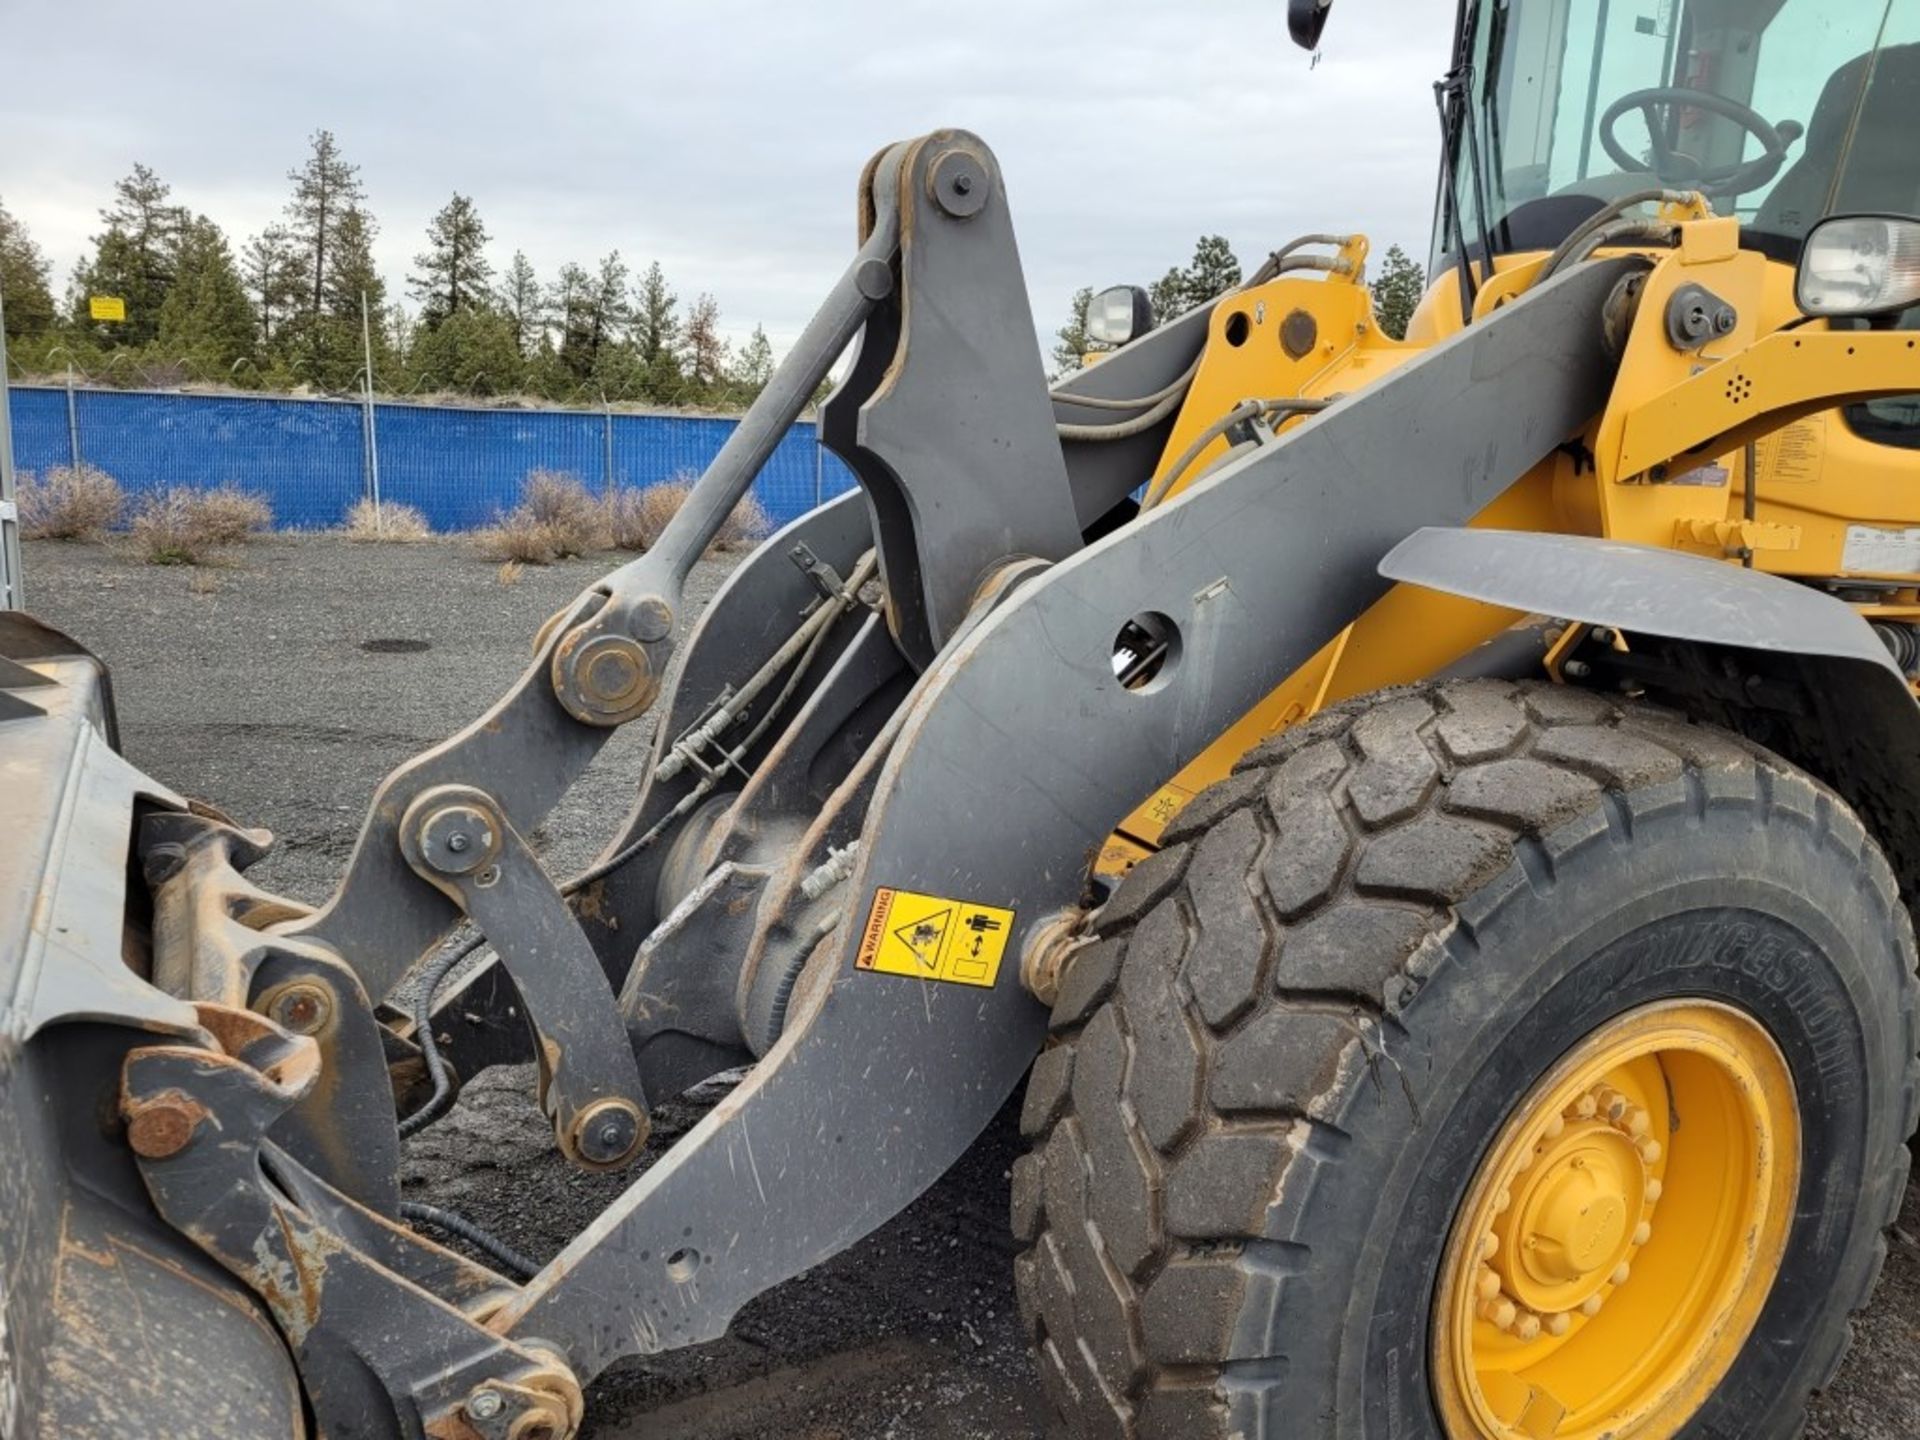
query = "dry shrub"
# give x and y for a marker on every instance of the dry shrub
(184, 526)
(390, 521)
(516, 538)
(747, 526)
(509, 573)
(203, 582)
(637, 517)
(69, 502)
(556, 517)
(576, 521)
(230, 515)
(168, 529)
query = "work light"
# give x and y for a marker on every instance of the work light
(1118, 315)
(1856, 265)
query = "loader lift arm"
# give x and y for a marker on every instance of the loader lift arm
(978, 525)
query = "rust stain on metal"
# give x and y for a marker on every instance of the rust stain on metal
(161, 1126)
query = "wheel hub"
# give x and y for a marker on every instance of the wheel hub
(1597, 1284)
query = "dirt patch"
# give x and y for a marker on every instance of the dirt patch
(260, 697)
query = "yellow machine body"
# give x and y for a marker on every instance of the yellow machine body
(1666, 464)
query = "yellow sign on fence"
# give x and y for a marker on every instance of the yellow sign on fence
(107, 307)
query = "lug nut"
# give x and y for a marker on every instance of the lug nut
(1558, 1325)
(1590, 1306)
(1621, 1274)
(1556, 1127)
(1500, 1313)
(1586, 1107)
(1654, 1191)
(1650, 1151)
(1527, 1328)
(1487, 1286)
(1642, 1233)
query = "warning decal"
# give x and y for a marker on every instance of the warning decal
(931, 938)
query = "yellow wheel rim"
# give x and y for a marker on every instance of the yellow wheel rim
(1622, 1234)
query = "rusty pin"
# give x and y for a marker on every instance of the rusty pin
(160, 1128)
(304, 1007)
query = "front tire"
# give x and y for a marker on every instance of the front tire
(1311, 1027)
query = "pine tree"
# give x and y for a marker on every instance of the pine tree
(1396, 294)
(570, 303)
(704, 349)
(206, 315)
(454, 268)
(521, 300)
(471, 350)
(752, 368)
(1214, 271)
(325, 190)
(134, 258)
(271, 272)
(330, 351)
(1073, 345)
(24, 291)
(656, 334)
(611, 312)
(1168, 295)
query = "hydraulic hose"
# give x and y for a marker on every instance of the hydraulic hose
(516, 1265)
(1608, 217)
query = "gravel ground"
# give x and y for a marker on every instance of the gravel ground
(252, 685)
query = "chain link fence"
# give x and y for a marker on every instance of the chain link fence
(460, 465)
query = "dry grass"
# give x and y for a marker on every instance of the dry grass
(203, 582)
(184, 526)
(556, 517)
(391, 522)
(509, 573)
(69, 502)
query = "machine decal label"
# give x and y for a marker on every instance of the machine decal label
(1872, 551)
(1796, 454)
(929, 937)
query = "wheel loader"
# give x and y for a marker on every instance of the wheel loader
(1432, 823)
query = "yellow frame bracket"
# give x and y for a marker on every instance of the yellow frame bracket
(1775, 381)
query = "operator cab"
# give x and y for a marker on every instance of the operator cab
(1780, 112)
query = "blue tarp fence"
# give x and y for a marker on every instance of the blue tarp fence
(460, 466)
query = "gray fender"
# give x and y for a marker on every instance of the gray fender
(1781, 662)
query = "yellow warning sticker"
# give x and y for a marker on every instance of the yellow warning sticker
(928, 937)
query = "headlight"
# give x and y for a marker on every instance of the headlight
(1860, 265)
(1118, 315)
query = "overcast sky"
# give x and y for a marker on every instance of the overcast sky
(724, 138)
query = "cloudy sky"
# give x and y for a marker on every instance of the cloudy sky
(724, 138)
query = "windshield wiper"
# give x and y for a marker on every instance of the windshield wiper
(1454, 94)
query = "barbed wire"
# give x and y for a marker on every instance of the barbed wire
(126, 370)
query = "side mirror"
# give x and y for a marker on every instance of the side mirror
(1860, 265)
(1118, 315)
(1306, 19)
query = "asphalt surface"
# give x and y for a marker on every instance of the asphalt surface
(264, 687)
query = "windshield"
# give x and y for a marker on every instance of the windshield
(1780, 111)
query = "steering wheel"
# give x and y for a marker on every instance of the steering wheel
(1681, 170)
